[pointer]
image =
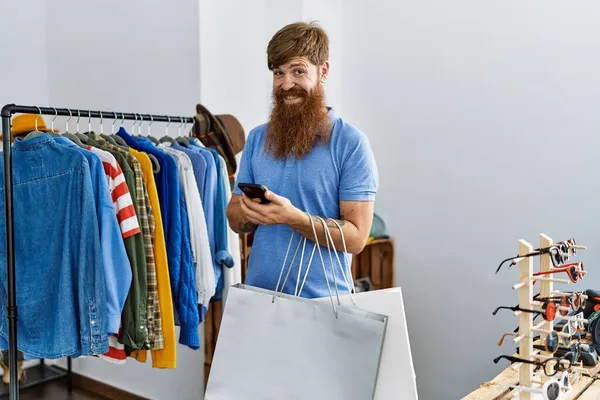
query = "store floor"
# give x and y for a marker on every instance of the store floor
(57, 390)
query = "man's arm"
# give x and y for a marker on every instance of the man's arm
(355, 220)
(236, 217)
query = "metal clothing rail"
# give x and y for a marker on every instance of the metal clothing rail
(7, 113)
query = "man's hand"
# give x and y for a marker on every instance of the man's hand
(280, 210)
(355, 219)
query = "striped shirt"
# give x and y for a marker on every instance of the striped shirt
(119, 192)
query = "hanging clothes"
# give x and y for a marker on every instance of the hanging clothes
(62, 306)
(153, 325)
(165, 356)
(133, 332)
(144, 245)
(117, 269)
(179, 252)
(215, 202)
(205, 277)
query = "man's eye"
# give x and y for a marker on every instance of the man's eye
(277, 73)
(299, 72)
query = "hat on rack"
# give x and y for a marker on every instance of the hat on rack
(25, 123)
(223, 132)
(234, 130)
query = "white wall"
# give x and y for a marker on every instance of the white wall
(137, 57)
(124, 56)
(23, 61)
(483, 120)
(233, 52)
(483, 117)
(23, 66)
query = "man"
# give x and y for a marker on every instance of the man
(312, 162)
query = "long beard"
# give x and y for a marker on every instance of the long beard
(294, 129)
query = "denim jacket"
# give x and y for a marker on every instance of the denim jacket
(61, 290)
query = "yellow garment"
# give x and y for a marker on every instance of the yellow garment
(166, 357)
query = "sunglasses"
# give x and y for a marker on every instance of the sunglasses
(551, 366)
(551, 341)
(575, 300)
(552, 388)
(548, 310)
(566, 303)
(559, 253)
(574, 270)
(576, 323)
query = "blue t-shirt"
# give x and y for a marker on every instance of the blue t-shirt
(343, 169)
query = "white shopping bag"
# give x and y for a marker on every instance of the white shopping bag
(274, 346)
(293, 349)
(396, 379)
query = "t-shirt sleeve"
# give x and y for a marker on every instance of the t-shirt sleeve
(245, 173)
(359, 178)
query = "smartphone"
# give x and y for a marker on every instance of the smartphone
(254, 191)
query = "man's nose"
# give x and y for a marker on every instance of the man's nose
(288, 82)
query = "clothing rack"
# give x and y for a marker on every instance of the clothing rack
(7, 113)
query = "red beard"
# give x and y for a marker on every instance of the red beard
(294, 129)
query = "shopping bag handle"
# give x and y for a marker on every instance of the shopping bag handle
(349, 282)
(348, 260)
(287, 253)
(330, 243)
(312, 223)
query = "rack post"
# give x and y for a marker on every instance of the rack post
(525, 318)
(6, 113)
(546, 287)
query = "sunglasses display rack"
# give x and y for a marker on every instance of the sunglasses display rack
(534, 386)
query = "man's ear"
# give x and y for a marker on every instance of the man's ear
(324, 69)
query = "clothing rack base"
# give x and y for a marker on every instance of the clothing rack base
(39, 375)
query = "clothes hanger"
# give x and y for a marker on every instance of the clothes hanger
(109, 139)
(133, 126)
(182, 140)
(83, 138)
(112, 137)
(150, 137)
(69, 135)
(193, 140)
(90, 123)
(35, 133)
(90, 134)
(153, 159)
(55, 134)
(140, 126)
(166, 138)
(102, 135)
(116, 137)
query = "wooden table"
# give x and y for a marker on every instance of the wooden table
(586, 388)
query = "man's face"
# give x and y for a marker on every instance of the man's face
(296, 79)
(299, 115)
